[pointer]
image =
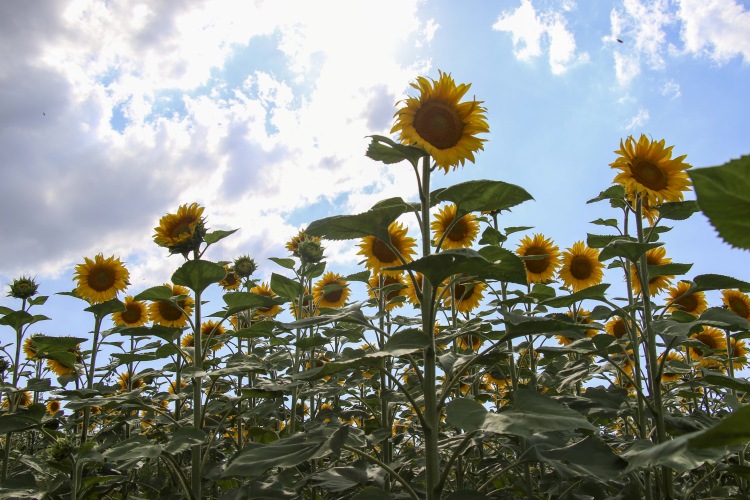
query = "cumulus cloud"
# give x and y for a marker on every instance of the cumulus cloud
(115, 113)
(638, 120)
(531, 30)
(717, 29)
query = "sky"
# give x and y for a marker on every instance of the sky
(114, 113)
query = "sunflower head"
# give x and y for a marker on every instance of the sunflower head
(451, 232)
(467, 293)
(59, 368)
(232, 279)
(135, 313)
(182, 232)
(310, 251)
(209, 327)
(544, 269)
(332, 290)
(100, 279)
(668, 375)
(581, 267)
(616, 327)
(712, 338)
(126, 382)
(739, 353)
(654, 257)
(174, 313)
(439, 123)
(293, 244)
(648, 169)
(244, 266)
(29, 349)
(4, 365)
(737, 302)
(391, 287)
(53, 406)
(23, 288)
(265, 290)
(380, 254)
(682, 299)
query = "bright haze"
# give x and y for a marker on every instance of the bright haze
(114, 113)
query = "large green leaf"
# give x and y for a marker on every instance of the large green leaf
(719, 282)
(532, 412)
(388, 151)
(630, 250)
(184, 438)
(678, 210)
(254, 459)
(595, 292)
(105, 308)
(17, 319)
(723, 194)
(197, 275)
(24, 418)
(588, 457)
(242, 301)
(286, 287)
(374, 222)
(482, 195)
(138, 447)
(158, 293)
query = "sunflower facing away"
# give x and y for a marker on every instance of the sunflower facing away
(542, 270)
(29, 350)
(379, 255)
(135, 313)
(461, 235)
(468, 294)
(648, 169)
(265, 290)
(332, 290)
(166, 314)
(695, 303)
(439, 123)
(737, 302)
(581, 267)
(126, 382)
(100, 280)
(654, 257)
(183, 231)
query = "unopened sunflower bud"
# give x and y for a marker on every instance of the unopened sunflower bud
(310, 251)
(23, 288)
(245, 266)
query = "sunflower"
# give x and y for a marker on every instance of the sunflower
(649, 170)
(125, 383)
(29, 350)
(218, 329)
(53, 406)
(414, 288)
(542, 270)
(616, 327)
(172, 387)
(135, 313)
(307, 306)
(737, 302)
(461, 235)
(394, 286)
(581, 267)
(468, 294)
(739, 353)
(167, 314)
(581, 318)
(231, 281)
(380, 255)
(625, 374)
(441, 125)
(183, 231)
(100, 279)
(666, 375)
(654, 257)
(59, 368)
(694, 303)
(647, 212)
(265, 290)
(293, 245)
(23, 399)
(714, 340)
(469, 342)
(332, 290)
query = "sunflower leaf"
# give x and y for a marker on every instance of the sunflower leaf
(595, 292)
(719, 282)
(602, 240)
(214, 236)
(388, 151)
(678, 210)
(285, 287)
(614, 192)
(374, 222)
(105, 308)
(158, 293)
(668, 270)
(482, 196)
(197, 275)
(630, 250)
(723, 194)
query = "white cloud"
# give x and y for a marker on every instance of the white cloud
(528, 29)
(671, 89)
(718, 29)
(638, 120)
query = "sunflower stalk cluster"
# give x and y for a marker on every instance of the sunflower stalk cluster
(450, 362)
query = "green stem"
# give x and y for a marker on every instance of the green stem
(197, 398)
(90, 375)
(385, 467)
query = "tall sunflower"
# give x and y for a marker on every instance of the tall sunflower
(332, 290)
(737, 302)
(265, 290)
(380, 255)
(167, 314)
(53, 406)
(542, 270)
(135, 313)
(393, 286)
(439, 123)
(183, 231)
(695, 303)
(29, 350)
(581, 267)
(59, 368)
(461, 235)
(654, 257)
(100, 280)
(714, 340)
(647, 168)
(468, 293)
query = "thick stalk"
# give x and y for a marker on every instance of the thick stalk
(197, 398)
(90, 375)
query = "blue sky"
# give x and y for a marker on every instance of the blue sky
(114, 113)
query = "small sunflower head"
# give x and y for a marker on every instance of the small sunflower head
(182, 232)
(23, 288)
(245, 266)
(310, 251)
(61, 449)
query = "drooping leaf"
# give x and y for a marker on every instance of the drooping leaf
(198, 275)
(723, 194)
(158, 293)
(482, 195)
(183, 438)
(242, 301)
(705, 282)
(138, 447)
(587, 457)
(388, 151)
(105, 308)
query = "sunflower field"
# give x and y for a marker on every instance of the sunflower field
(449, 366)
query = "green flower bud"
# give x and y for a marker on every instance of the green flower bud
(310, 251)
(245, 266)
(23, 288)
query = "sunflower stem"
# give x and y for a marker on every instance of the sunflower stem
(197, 398)
(90, 376)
